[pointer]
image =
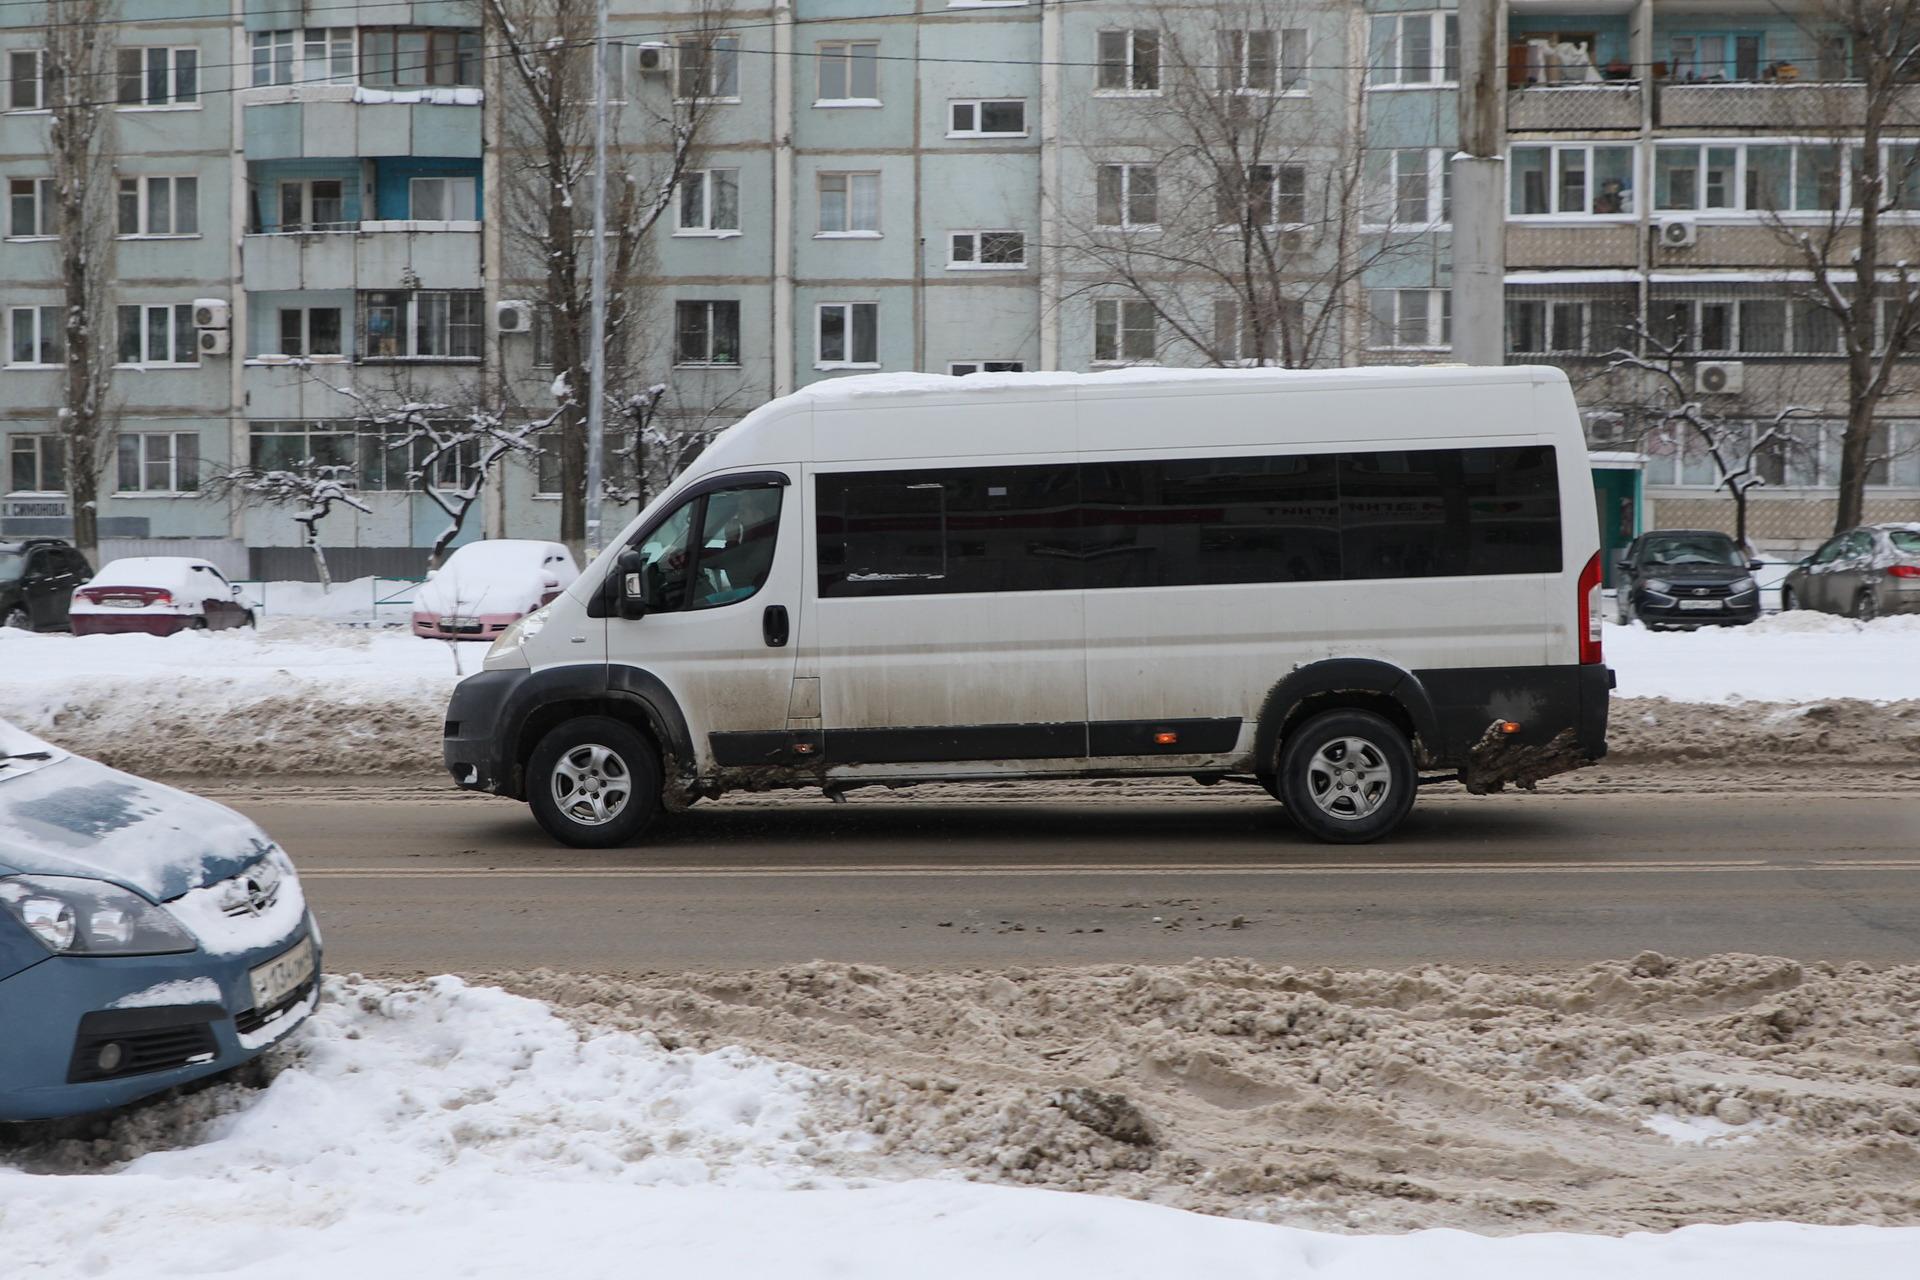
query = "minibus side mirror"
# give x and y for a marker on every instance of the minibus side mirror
(630, 580)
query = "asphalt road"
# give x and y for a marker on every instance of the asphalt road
(409, 881)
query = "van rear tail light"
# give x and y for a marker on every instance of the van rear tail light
(1588, 622)
(1904, 571)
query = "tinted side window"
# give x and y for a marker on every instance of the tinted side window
(1211, 521)
(738, 534)
(928, 532)
(1425, 513)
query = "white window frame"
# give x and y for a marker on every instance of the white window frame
(709, 363)
(410, 319)
(1439, 323)
(143, 203)
(307, 225)
(170, 58)
(306, 351)
(446, 180)
(847, 231)
(39, 80)
(1126, 169)
(320, 50)
(975, 241)
(703, 181)
(722, 65)
(1436, 163)
(1290, 74)
(44, 209)
(966, 368)
(1128, 68)
(143, 461)
(1438, 21)
(842, 54)
(1585, 213)
(846, 309)
(1113, 313)
(49, 454)
(1741, 210)
(978, 107)
(179, 319)
(280, 53)
(38, 316)
(1274, 190)
(1232, 325)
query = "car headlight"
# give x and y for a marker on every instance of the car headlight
(1661, 585)
(72, 916)
(1744, 585)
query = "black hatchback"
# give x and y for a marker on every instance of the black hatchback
(1686, 578)
(37, 578)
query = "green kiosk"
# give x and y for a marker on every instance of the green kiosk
(1619, 496)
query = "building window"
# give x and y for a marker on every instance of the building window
(272, 57)
(987, 118)
(706, 333)
(1129, 62)
(161, 334)
(1693, 178)
(986, 250)
(543, 337)
(847, 335)
(1264, 195)
(159, 207)
(37, 464)
(1414, 49)
(849, 73)
(421, 325)
(326, 55)
(961, 368)
(1238, 340)
(1716, 56)
(1570, 180)
(35, 336)
(849, 204)
(1126, 195)
(31, 211)
(158, 77)
(310, 331)
(1123, 331)
(26, 85)
(1419, 187)
(1760, 178)
(443, 200)
(159, 462)
(708, 70)
(1409, 319)
(391, 59)
(709, 202)
(1263, 61)
(316, 204)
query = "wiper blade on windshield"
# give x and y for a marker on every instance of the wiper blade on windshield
(25, 755)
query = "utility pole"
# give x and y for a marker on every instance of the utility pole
(597, 355)
(1480, 190)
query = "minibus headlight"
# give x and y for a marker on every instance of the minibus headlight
(79, 917)
(521, 629)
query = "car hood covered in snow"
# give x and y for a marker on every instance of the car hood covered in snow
(504, 575)
(66, 815)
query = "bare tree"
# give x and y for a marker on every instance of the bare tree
(1861, 263)
(1244, 231)
(547, 122)
(309, 493)
(659, 437)
(76, 73)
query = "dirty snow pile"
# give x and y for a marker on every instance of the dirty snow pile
(440, 1129)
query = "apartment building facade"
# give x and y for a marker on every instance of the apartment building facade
(954, 187)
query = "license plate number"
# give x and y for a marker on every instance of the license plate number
(281, 976)
(1700, 604)
(123, 602)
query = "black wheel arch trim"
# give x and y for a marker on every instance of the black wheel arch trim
(520, 695)
(1333, 676)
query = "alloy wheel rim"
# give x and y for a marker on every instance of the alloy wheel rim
(591, 784)
(1349, 778)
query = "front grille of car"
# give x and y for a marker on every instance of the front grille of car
(1707, 591)
(115, 1043)
(253, 1019)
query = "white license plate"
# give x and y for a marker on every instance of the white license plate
(281, 976)
(1701, 604)
(124, 602)
(459, 622)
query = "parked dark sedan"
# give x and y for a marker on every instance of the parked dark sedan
(1686, 578)
(1862, 573)
(37, 578)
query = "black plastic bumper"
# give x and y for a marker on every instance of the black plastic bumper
(476, 743)
(1545, 701)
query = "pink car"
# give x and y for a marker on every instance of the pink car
(157, 596)
(486, 586)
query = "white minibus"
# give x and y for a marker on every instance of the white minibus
(1340, 584)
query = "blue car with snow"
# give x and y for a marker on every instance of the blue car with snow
(148, 937)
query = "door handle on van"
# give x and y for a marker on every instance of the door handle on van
(773, 626)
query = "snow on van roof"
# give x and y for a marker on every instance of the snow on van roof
(866, 386)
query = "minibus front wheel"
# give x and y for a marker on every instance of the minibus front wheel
(1346, 776)
(594, 783)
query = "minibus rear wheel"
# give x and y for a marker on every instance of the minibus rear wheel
(594, 783)
(1346, 777)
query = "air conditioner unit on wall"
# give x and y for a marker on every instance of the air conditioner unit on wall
(215, 342)
(210, 313)
(1678, 233)
(653, 58)
(1719, 377)
(513, 316)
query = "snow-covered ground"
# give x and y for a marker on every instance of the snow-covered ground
(443, 1130)
(1784, 657)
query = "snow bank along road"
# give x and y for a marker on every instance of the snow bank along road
(855, 1122)
(400, 879)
